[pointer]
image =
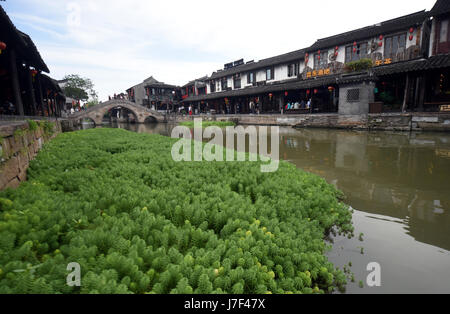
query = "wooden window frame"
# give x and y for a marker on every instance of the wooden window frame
(248, 78)
(323, 62)
(272, 74)
(392, 36)
(442, 47)
(358, 53)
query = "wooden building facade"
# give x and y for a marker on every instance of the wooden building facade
(24, 89)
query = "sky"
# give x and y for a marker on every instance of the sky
(118, 44)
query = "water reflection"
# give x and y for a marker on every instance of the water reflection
(395, 175)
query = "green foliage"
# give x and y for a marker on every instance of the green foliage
(205, 124)
(360, 65)
(19, 133)
(32, 125)
(79, 88)
(137, 222)
(48, 127)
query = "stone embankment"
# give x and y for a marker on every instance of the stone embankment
(19, 143)
(437, 122)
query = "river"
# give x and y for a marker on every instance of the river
(398, 184)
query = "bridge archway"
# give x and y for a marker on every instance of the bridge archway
(150, 120)
(121, 114)
(140, 113)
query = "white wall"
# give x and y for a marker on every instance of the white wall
(281, 72)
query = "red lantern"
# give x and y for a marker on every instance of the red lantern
(381, 37)
(308, 92)
(270, 95)
(411, 30)
(2, 46)
(380, 44)
(355, 43)
(318, 52)
(316, 91)
(286, 94)
(336, 48)
(336, 53)
(307, 55)
(411, 37)
(331, 88)
(354, 50)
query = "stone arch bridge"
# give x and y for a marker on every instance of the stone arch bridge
(96, 113)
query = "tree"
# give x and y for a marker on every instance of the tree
(79, 88)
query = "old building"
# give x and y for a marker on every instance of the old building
(394, 66)
(24, 89)
(155, 95)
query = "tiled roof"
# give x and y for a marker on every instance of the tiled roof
(287, 57)
(441, 7)
(286, 86)
(398, 24)
(435, 62)
(26, 47)
(202, 80)
(36, 59)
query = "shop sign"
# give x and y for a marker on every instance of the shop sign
(383, 62)
(316, 73)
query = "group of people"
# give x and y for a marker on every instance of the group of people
(182, 110)
(297, 105)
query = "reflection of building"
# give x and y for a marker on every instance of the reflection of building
(403, 64)
(382, 174)
(24, 89)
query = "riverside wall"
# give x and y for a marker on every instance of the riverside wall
(19, 144)
(435, 122)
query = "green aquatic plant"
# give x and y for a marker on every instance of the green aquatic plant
(138, 222)
(361, 235)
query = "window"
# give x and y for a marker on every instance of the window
(237, 82)
(322, 62)
(293, 69)
(353, 95)
(269, 74)
(393, 44)
(251, 78)
(444, 32)
(360, 53)
(224, 84)
(212, 87)
(202, 91)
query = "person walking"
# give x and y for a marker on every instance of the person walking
(251, 106)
